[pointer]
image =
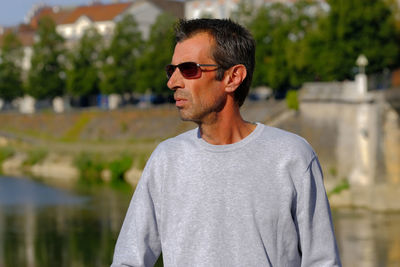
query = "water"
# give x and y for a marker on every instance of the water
(368, 239)
(43, 225)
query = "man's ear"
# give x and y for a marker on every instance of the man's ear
(234, 77)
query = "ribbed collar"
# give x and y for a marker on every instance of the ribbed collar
(223, 148)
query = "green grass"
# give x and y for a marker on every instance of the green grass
(91, 164)
(74, 132)
(292, 100)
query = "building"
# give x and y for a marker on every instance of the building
(71, 22)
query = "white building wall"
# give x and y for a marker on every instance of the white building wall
(26, 60)
(75, 31)
(82, 24)
(145, 15)
(144, 12)
(68, 31)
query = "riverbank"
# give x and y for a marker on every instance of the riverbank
(113, 146)
(97, 144)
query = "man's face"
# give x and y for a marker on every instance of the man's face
(197, 99)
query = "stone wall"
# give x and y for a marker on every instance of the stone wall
(357, 137)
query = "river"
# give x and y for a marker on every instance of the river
(44, 224)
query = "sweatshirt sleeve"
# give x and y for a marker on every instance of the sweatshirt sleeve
(138, 242)
(317, 240)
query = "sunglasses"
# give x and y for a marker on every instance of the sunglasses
(189, 70)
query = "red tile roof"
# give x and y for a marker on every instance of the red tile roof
(98, 12)
(57, 14)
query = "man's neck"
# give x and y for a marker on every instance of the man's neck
(225, 129)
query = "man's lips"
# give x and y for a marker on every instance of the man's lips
(180, 101)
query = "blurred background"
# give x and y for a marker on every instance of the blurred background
(84, 101)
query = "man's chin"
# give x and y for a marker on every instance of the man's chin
(186, 117)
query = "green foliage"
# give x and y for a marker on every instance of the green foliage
(120, 72)
(279, 31)
(244, 13)
(295, 43)
(292, 100)
(351, 28)
(341, 186)
(83, 74)
(333, 171)
(46, 75)
(35, 156)
(119, 166)
(6, 152)
(90, 166)
(157, 54)
(10, 68)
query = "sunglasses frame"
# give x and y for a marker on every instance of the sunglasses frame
(182, 71)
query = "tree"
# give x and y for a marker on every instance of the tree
(304, 19)
(351, 28)
(83, 74)
(244, 13)
(279, 31)
(46, 78)
(157, 55)
(10, 68)
(120, 71)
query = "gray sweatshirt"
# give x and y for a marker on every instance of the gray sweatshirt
(258, 202)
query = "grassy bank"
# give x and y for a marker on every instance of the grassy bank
(95, 140)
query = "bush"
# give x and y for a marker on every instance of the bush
(35, 156)
(6, 152)
(119, 166)
(89, 166)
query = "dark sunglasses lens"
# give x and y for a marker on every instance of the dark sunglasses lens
(189, 69)
(169, 69)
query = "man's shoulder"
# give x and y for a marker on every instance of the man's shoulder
(282, 140)
(281, 136)
(183, 139)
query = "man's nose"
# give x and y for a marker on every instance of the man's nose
(176, 80)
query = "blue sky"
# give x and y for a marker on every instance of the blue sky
(13, 12)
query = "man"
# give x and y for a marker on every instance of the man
(231, 192)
